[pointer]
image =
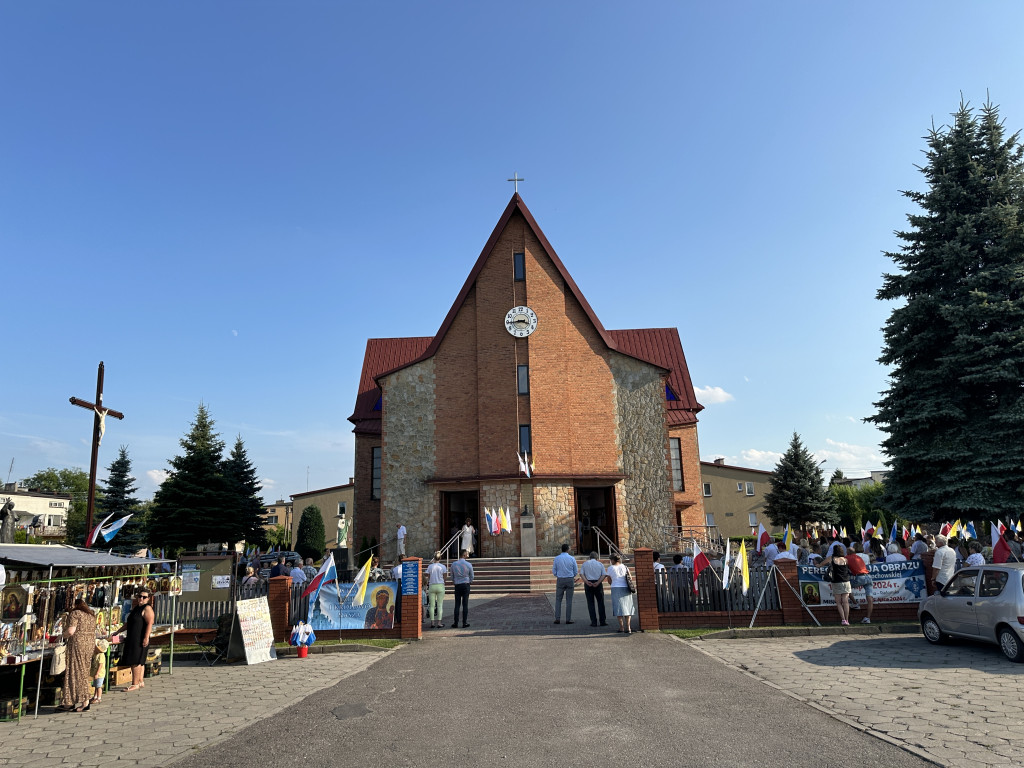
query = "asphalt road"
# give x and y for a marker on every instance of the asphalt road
(554, 700)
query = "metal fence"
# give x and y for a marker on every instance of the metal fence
(198, 615)
(676, 595)
(299, 608)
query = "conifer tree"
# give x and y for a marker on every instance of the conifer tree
(245, 510)
(188, 510)
(119, 500)
(954, 409)
(798, 494)
(310, 539)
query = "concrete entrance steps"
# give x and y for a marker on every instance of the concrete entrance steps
(497, 575)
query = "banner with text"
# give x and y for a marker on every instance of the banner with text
(377, 611)
(891, 583)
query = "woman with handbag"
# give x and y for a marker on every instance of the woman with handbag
(622, 593)
(80, 630)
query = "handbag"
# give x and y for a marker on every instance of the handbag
(629, 580)
(59, 660)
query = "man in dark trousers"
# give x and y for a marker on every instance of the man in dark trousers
(593, 574)
(462, 577)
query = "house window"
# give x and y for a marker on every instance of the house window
(524, 438)
(739, 487)
(272, 520)
(709, 520)
(707, 489)
(375, 475)
(519, 267)
(677, 464)
(752, 519)
(523, 377)
(750, 489)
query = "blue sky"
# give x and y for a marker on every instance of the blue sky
(224, 200)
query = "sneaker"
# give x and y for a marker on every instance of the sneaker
(865, 620)
(846, 623)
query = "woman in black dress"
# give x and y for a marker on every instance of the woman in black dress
(137, 629)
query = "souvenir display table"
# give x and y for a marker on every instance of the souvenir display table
(42, 584)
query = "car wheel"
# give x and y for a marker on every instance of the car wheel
(1011, 645)
(932, 633)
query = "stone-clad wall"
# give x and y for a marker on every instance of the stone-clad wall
(643, 451)
(554, 509)
(492, 496)
(407, 459)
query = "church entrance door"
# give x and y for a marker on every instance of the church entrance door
(456, 506)
(595, 509)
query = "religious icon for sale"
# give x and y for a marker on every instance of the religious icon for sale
(13, 601)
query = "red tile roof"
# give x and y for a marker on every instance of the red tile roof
(661, 346)
(381, 355)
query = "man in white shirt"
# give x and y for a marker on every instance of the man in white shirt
(593, 574)
(297, 574)
(401, 540)
(565, 570)
(944, 563)
(657, 562)
(771, 553)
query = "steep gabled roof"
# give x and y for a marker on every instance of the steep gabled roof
(381, 355)
(662, 347)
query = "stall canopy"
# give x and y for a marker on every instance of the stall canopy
(63, 556)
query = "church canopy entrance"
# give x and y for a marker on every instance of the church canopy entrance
(456, 506)
(595, 510)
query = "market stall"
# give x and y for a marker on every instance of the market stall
(41, 585)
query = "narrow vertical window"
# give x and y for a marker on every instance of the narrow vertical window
(375, 475)
(519, 267)
(709, 520)
(523, 376)
(750, 489)
(524, 438)
(677, 464)
(707, 489)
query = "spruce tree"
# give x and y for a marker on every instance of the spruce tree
(188, 510)
(245, 510)
(798, 494)
(119, 500)
(310, 539)
(954, 409)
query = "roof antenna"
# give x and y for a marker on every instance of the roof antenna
(515, 178)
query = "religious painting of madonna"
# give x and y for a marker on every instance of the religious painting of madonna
(12, 602)
(376, 611)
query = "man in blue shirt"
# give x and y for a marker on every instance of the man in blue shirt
(462, 577)
(565, 570)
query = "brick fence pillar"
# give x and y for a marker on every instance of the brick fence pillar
(279, 596)
(792, 610)
(412, 605)
(646, 591)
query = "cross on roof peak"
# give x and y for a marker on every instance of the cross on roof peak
(515, 178)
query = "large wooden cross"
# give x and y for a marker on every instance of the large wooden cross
(98, 426)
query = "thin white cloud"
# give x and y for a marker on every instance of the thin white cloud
(857, 459)
(752, 457)
(711, 395)
(234, 332)
(157, 476)
(267, 484)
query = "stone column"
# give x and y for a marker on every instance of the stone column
(279, 596)
(412, 605)
(646, 591)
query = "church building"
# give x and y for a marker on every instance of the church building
(524, 402)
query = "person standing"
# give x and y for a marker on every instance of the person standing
(656, 556)
(400, 536)
(80, 629)
(468, 535)
(622, 596)
(565, 571)
(280, 569)
(436, 572)
(593, 573)
(298, 575)
(462, 577)
(136, 641)
(840, 581)
(943, 564)
(860, 576)
(309, 569)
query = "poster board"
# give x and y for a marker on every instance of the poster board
(377, 611)
(207, 577)
(902, 582)
(252, 635)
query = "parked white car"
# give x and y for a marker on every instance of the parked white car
(980, 603)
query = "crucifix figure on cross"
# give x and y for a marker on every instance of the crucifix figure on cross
(98, 428)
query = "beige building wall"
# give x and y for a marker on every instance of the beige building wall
(734, 498)
(327, 500)
(278, 513)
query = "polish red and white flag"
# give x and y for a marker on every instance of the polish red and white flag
(700, 562)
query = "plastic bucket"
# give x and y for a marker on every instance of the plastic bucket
(303, 651)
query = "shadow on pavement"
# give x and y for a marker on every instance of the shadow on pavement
(895, 653)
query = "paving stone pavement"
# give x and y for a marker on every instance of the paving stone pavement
(957, 704)
(174, 714)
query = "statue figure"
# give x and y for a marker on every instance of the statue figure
(7, 520)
